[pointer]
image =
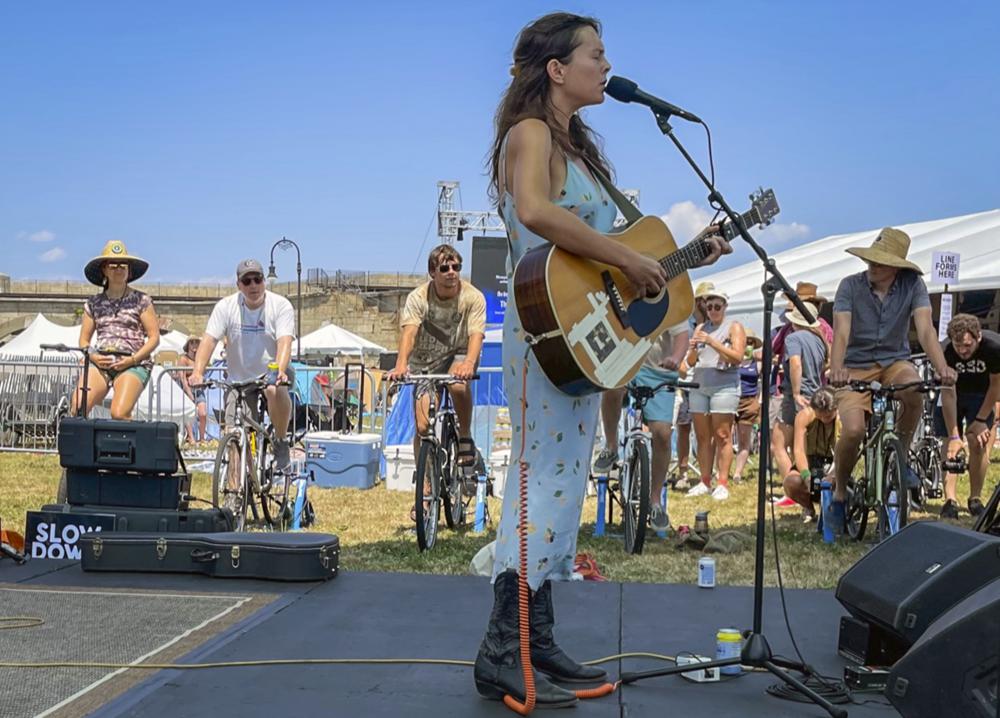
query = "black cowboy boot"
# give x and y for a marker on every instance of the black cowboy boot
(498, 670)
(546, 656)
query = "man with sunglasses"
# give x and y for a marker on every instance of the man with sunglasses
(443, 324)
(258, 327)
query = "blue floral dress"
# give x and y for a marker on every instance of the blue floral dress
(560, 428)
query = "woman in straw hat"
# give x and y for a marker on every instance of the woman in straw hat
(871, 322)
(806, 356)
(717, 347)
(748, 410)
(123, 320)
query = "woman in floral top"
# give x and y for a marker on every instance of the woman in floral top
(124, 321)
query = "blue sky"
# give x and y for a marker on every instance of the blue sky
(200, 133)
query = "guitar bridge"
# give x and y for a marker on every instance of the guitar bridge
(615, 299)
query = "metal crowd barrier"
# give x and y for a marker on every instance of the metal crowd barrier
(34, 393)
(31, 391)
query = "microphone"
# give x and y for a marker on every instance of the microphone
(625, 90)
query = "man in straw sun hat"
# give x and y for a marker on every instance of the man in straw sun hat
(871, 321)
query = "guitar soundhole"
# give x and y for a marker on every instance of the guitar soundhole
(601, 342)
(654, 298)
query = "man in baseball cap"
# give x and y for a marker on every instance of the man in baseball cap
(258, 326)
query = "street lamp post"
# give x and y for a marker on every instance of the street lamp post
(284, 243)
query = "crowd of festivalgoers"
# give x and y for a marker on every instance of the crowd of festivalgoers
(817, 421)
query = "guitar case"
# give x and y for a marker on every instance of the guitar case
(269, 556)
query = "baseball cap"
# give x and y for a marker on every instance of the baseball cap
(249, 266)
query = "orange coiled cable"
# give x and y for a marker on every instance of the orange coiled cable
(523, 596)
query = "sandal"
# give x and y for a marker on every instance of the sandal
(586, 566)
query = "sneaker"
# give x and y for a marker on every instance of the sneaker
(681, 484)
(949, 510)
(808, 517)
(785, 502)
(282, 458)
(976, 506)
(700, 489)
(658, 518)
(605, 461)
(835, 516)
(721, 493)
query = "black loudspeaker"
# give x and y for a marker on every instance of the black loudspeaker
(906, 582)
(952, 669)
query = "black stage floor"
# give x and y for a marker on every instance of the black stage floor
(394, 615)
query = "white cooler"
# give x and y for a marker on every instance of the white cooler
(338, 459)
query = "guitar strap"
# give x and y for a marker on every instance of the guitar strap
(629, 211)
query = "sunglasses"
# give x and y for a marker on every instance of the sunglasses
(252, 279)
(715, 306)
(453, 267)
(116, 265)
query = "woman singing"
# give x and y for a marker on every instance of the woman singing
(541, 164)
(125, 321)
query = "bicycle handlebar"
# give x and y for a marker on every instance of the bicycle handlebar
(259, 382)
(443, 378)
(875, 387)
(83, 350)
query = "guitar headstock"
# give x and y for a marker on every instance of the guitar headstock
(764, 207)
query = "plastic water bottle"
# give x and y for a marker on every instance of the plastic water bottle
(825, 499)
(893, 510)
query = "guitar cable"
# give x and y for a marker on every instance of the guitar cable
(523, 592)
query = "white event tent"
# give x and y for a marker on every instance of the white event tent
(975, 237)
(28, 343)
(331, 339)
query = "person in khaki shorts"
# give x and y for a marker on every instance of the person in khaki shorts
(442, 327)
(871, 321)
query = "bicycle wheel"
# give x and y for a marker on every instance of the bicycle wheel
(929, 467)
(273, 488)
(427, 475)
(229, 488)
(893, 510)
(451, 487)
(634, 488)
(857, 508)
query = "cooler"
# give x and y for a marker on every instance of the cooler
(338, 459)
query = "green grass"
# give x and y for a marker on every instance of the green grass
(376, 534)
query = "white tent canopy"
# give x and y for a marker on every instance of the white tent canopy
(40, 331)
(975, 237)
(331, 339)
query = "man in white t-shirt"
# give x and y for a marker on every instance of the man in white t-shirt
(258, 326)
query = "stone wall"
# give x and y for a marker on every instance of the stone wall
(371, 311)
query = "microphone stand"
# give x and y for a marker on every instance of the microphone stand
(756, 650)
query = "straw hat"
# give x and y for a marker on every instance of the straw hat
(753, 340)
(114, 251)
(712, 293)
(889, 248)
(794, 316)
(704, 289)
(807, 293)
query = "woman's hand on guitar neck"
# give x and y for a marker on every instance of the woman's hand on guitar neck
(716, 243)
(647, 275)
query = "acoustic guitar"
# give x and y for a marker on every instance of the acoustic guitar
(588, 327)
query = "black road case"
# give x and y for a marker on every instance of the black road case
(143, 446)
(156, 520)
(270, 556)
(118, 488)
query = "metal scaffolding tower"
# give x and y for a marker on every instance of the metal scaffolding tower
(453, 223)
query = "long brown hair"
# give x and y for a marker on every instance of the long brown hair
(553, 36)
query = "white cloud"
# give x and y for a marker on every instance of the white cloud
(42, 235)
(685, 220)
(53, 255)
(785, 233)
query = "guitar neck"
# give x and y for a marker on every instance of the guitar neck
(693, 253)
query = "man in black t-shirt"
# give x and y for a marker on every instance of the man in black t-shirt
(975, 354)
